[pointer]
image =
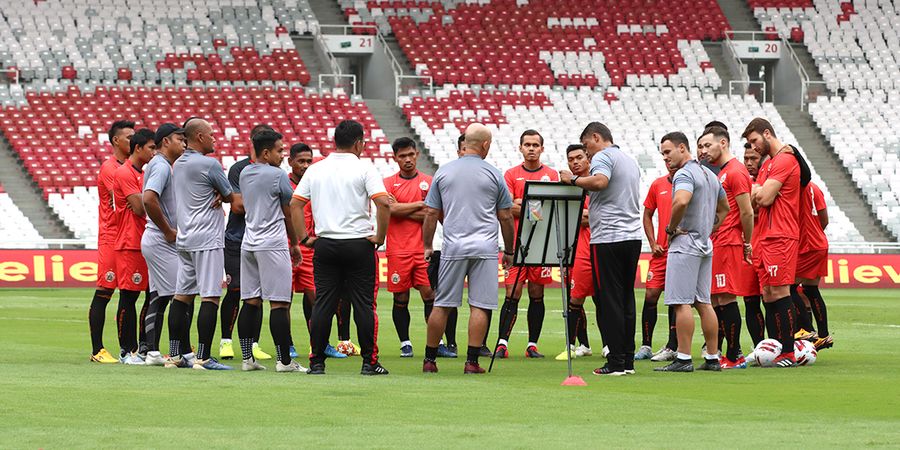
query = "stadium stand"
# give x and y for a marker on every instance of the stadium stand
(14, 224)
(639, 116)
(551, 42)
(166, 41)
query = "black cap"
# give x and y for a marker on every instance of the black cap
(165, 130)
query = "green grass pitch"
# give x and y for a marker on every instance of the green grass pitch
(52, 397)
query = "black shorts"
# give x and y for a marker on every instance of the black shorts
(233, 264)
(433, 267)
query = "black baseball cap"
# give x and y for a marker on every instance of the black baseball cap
(165, 130)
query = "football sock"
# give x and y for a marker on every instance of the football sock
(818, 308)
(779, 322)
(582, 327)
(343, 320)
(490, 315)
(536, 313)
(280, 325)
(451, 327)
(259, 322)
(246, 325)
(97, 318)
(672, 344)
(400, 313)
(307, 309)
(720, 316)
(186, 331)
(431, 353)
(472, 354)
(163, 303)
(228, 311)
(756, 321)
(683, 356)
(428, 306)
(572, 319)
(126, 319)
(731, 320)
(178, 319)
(803, 320)
(508, 314)
(648, 322)
(142, 317)
(150, 324)
(206, 328)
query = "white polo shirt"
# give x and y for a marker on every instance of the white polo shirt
(339, 188)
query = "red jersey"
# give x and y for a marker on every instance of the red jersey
(812, 236)
(108, 227)
(781, 218)
(736, 181)
(659, 197)
(404, 235)
(307, 214)
(583, 251)
(516, 177)
(128, 180)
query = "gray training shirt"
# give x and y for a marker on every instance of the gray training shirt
(158, 178)
(198, 179)
(265, 190)
(469, 191)
(615, 212)
(701, 211)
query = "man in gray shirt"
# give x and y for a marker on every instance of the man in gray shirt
(472, 196)
(202, 187)
(699, 205)
(266, 256)
(615, 218)
(158, 241)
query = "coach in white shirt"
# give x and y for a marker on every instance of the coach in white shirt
(340, 187)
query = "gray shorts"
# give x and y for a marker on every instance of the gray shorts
(688, 279)
(162, 262)
(200, 272)
(483, 284)
(266, 274)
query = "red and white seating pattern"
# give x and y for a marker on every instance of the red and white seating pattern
(638, 118)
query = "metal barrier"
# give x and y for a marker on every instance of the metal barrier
(419, 81)
(336, 84)
(760, 93)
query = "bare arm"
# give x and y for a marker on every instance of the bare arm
(382, 217)
(136, 204)
(236, 201)
(408, 210)
(429, 225)
(743, 203)
(767, 193)
(649, 230)
(298, 219)
(507, 229)
(823, 217)
(721, 211)
(585, 220)
(154, 212)
(596, 182)
(516, 209)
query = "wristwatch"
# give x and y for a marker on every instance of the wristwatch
(669, 232)
(304, 240)
(574, 180)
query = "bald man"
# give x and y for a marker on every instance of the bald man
(472, 197)
(202, 187)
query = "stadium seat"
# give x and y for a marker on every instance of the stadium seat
(16, 231)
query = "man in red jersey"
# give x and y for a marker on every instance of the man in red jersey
(128, 182)
(731, 243)
(406, 268)
(531, 145)
(756, 320)
(119, 136)
(659, 201)
(581, 281)
(812, 265)
(778, 198)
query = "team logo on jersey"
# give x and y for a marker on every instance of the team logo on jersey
(423, 185)
(395, 278)
(136, 278)
(545, 178)
(649, 275)
(723, 177)
(110, 276)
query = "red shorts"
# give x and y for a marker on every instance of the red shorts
(406, 271)
(748, 283)
(812, 264)
(302, 275)
(656, 276)
(132, 269)
(777, 264)
(726, 269)
(106, 266)
(537, 275)
(582, 283)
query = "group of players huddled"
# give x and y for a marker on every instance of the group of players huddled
(163, 231)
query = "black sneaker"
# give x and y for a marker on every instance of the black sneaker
(606, 370)
(373, 369)
(316, 369)
(711, 364)
(677, 366)
(485, 352)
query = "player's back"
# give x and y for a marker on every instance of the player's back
(234, 228)
(264, 189)
(106, 217)
(812, 236)
(616, 208)
(200, 226)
